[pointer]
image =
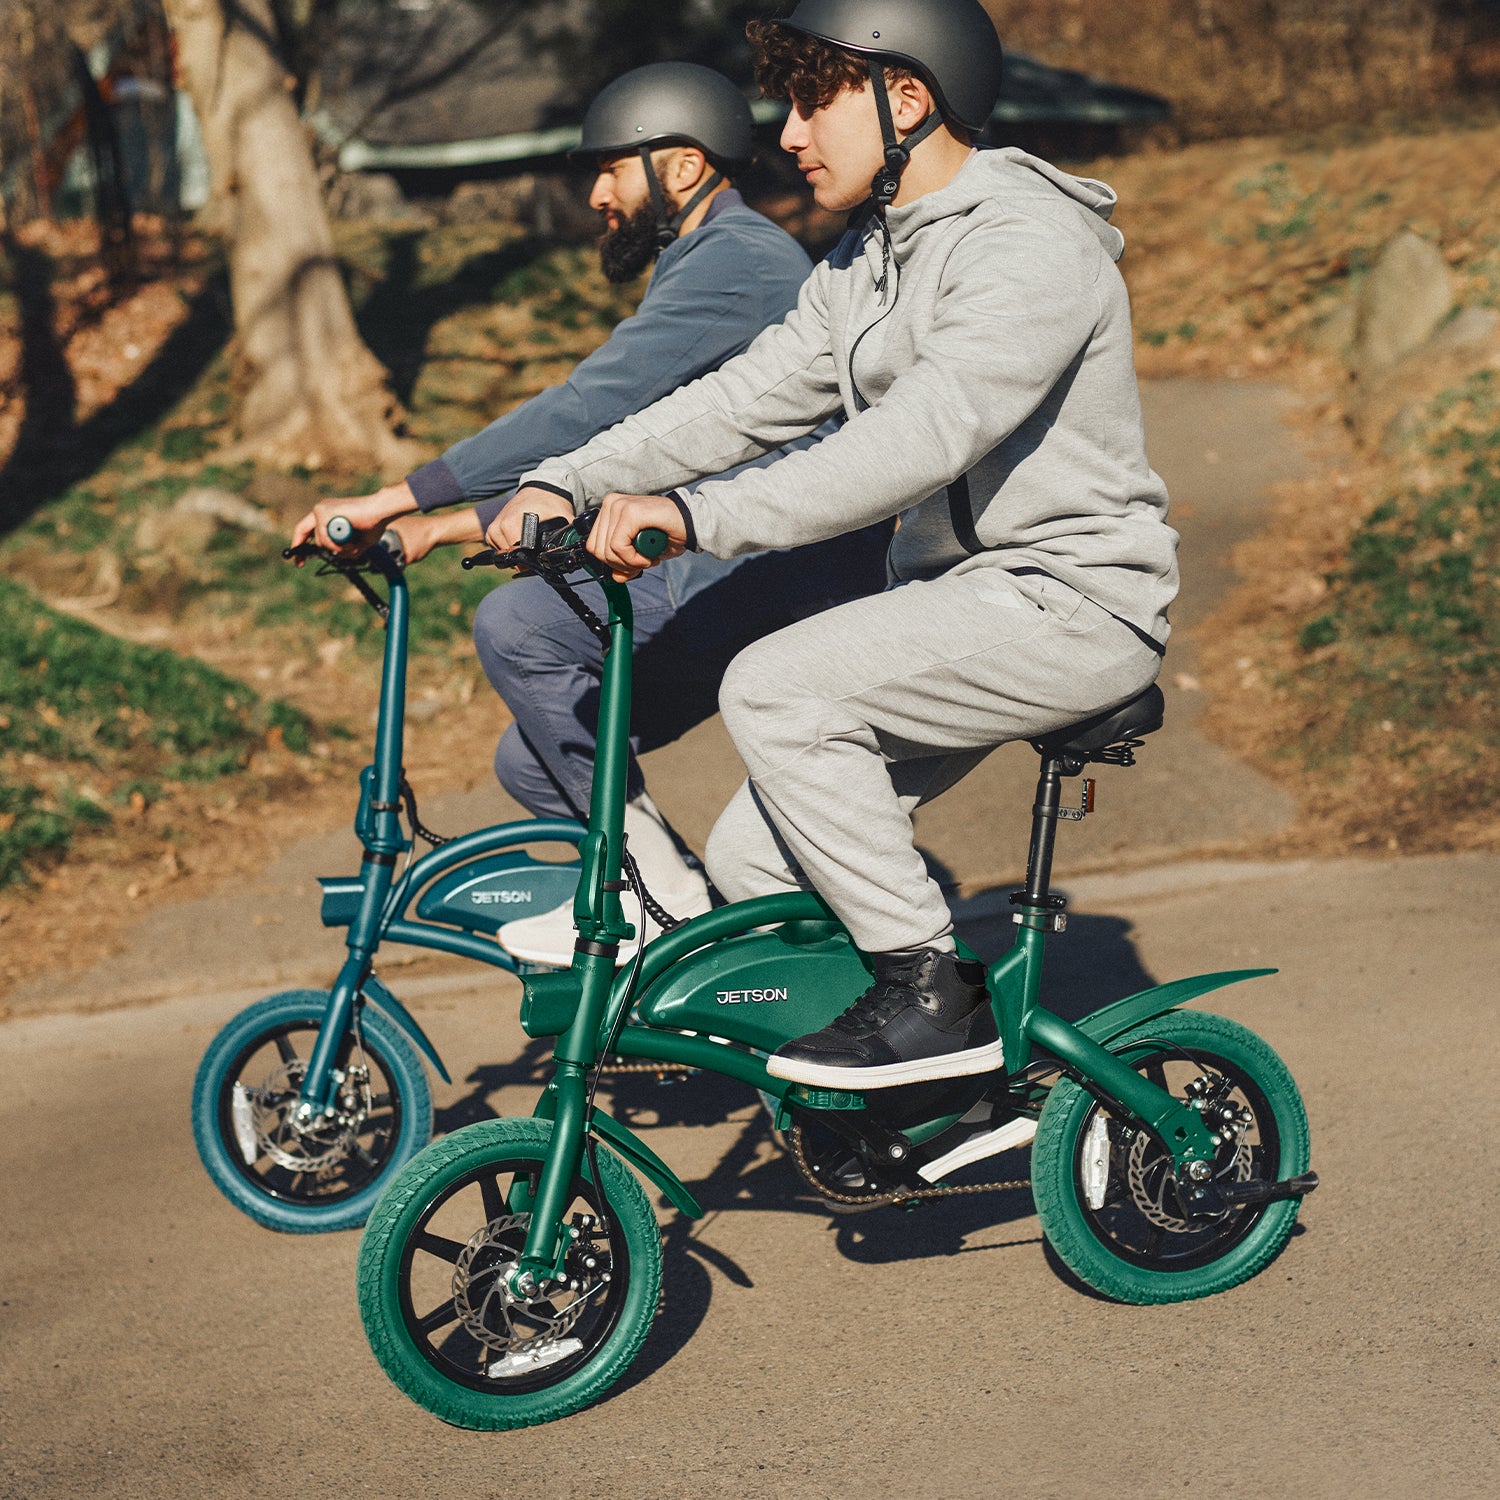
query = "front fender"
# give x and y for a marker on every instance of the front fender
(629, 1145)
(1104, 1025)
(377, 994)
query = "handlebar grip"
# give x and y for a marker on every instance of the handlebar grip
(651, 541)
(340, 529)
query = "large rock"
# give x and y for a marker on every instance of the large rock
(375, 196)
(1407, 294)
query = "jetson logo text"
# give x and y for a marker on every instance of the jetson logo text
(751, 997)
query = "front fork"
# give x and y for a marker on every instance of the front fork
(319, 1085)
(565, 1102)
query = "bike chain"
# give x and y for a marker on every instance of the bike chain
(900, 1195)
(661, 1069)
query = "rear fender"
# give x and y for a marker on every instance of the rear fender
(1114, 1020)
(380, 997)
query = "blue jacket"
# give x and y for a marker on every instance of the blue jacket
(712, 292)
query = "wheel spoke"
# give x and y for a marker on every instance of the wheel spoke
(494, 1199)
(365, 1156)
(380, 1101)
(436, 1244)
(439, 1317)
(284, 1047)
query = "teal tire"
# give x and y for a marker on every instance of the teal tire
(320, 1181)
(1104, 1189)
(432, 1271)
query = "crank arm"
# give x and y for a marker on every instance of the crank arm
(1206, 1199)
(888, 1150)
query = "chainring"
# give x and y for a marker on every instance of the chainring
(879, 1197)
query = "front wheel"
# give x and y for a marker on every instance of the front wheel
(326, 1176)
(434, 1293)
(1104, 1187)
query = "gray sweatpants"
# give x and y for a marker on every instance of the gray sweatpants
(848, 721)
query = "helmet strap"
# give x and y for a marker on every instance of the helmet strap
(887, 181)
(669, 225)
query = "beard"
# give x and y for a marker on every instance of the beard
(625, 252)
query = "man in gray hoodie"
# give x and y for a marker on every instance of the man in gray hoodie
(975, 328)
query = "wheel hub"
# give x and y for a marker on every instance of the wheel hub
(1149, 1175)
(528, 1332)
(268, 1123)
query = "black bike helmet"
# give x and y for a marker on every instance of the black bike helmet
(952, 44)
(663, 104)
(666, 102)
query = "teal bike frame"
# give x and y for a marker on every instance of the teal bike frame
(586, 1006)
(463, 889)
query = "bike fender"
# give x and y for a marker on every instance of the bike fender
(377, 994)
(1104, 1025)
(646, 1161)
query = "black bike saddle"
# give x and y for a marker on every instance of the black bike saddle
(1085, 739)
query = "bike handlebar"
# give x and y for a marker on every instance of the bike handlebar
(651, 542)
(558, 545)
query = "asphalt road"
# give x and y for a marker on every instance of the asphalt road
(155, 1343)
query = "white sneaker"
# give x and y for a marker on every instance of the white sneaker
(548, 937)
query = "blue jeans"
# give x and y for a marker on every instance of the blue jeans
(543, 662)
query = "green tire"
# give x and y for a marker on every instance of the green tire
(432, 1179)
(1098, 1246)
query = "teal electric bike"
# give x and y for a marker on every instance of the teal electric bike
(510, 1272)
(306, 1102)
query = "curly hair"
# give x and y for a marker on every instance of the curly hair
(805, 70)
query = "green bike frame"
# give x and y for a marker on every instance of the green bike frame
(687, 1015)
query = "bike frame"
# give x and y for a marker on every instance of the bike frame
(595, 997)
(376, 904)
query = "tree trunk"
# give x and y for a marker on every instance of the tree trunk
(313, 394)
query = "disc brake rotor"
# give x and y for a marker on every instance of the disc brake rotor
(301, 1148)
(526, 1333)
(1151, 1180)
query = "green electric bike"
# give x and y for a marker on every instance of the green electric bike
(510, 1272)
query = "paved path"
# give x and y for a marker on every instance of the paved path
(158, 1345)
(154, 1343)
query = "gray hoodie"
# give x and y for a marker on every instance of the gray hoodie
(989, 379)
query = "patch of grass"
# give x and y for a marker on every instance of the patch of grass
(1293, 213)
(33, 826)
(1408, 640)
(73, 699)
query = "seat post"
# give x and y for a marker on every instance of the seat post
(1043, 833)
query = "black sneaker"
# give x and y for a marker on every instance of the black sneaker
(926, 1016)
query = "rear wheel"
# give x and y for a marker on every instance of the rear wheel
(434, 1268)
(326, 1176)
(1105, 1189)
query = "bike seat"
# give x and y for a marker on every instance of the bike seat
(1085, 739)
